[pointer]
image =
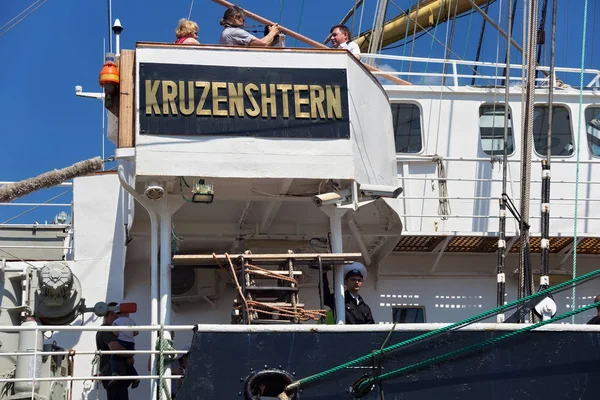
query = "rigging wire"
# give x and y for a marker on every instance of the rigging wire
(406, 42)
(541, 39)
(416, 22)
(362, 10)
(576, 212)
(447, 55)
(501, 262)
(468, 33)
(19, 14)
(34, 207)
(480, 43)
(405, 36)
(281, 3)
(437, 21)
(593, 35)
(299, 22)
(191, 8)
(428, 32)
(511, 26)
(21, 20)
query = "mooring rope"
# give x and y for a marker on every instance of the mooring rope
(426, 336)
(468, 349)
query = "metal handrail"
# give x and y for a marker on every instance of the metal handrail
(37, 204)
(595, 81)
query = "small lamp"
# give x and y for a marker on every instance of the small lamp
(202, 192)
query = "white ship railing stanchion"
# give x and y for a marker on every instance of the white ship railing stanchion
(454, 73)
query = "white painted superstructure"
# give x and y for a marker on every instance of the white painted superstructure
(444, 263)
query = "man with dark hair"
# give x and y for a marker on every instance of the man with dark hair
(596, 319)
(357, 311)
(340, 38)
(106, 340)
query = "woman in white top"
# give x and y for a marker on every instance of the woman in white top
(233, 35)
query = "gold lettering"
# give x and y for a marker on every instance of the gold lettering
(169, 93)
(285, 88)
(255, 110)
(200, 110)
(189, 108)
(334, 101)
(236, 99)
(151, 102)
(216, 99)
(299, 101)
(317, 97)
(268, 100)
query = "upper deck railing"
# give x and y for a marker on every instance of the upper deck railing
(453, 71)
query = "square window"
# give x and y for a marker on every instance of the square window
(491, 130)
(408, 315)
(407, 128)
(592, 129)
(562, 138)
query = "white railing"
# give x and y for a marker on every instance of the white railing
(454, 75)
(73, 353)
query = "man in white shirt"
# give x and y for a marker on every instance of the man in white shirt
(340, 38)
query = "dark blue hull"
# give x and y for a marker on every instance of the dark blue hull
(535, 365)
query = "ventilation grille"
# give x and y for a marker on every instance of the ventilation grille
(182, 280)
(557, 244)
(418, 243)
(473, 244)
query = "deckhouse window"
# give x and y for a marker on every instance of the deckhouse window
(562, 137)
(407, 128)
(592, 128)
(408, 315)
(491, 129)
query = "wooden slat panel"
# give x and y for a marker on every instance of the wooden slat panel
(207, 259)
(126, 100)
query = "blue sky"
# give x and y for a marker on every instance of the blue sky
(60, 45)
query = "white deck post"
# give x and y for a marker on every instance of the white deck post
(169, 205)
(335, 226)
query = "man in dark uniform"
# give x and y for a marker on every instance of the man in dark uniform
(596, 319)
(357, 311)
(106, 340)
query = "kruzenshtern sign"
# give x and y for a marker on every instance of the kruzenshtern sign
(262, 102)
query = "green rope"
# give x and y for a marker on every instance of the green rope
(299, 21)
(427, 335)
(471, 348)
(575, 215)
(468, 33)
(281, 10)
(408, 19)
(437, 22)
(163, 344)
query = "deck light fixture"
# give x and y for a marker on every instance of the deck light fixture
(202, 192)
(154, 191)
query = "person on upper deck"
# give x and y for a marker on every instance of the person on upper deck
(187, 32)
(596, 319)
(233, 35)
(357, 311)
(340, 38)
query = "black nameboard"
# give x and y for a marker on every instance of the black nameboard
(243, 101)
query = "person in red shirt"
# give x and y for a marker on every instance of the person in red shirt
(187, 32)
